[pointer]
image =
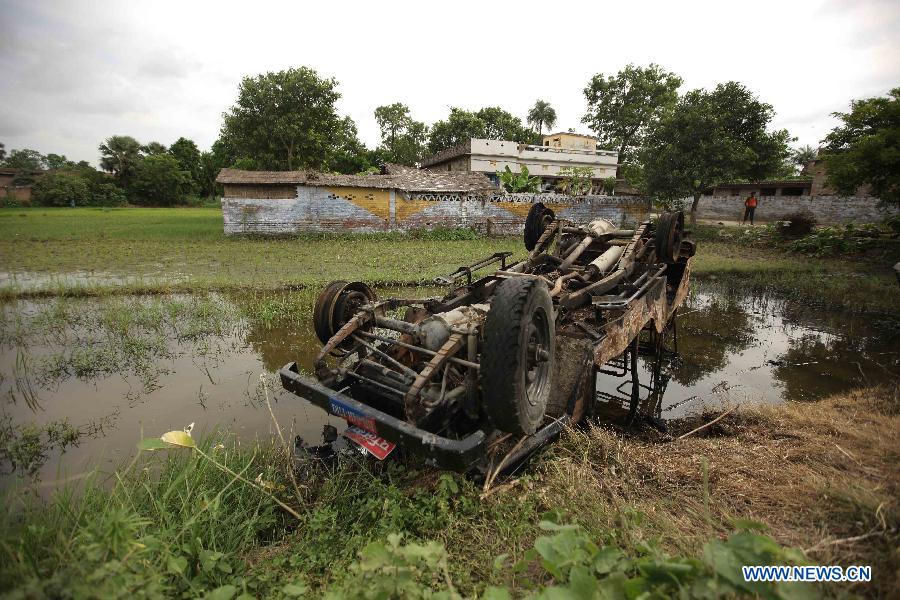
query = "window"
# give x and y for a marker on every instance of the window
(792, 191)
(767, 192)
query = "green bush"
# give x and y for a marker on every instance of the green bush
(61, 188)
(78, 186)
(159, 181)
(107, 194)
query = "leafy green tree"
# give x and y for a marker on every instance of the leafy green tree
(58, 161)
(501, 125)
(347, 154)
(402, 137)
(159, 180)
(542, 114)
(25, 160)
(519, 183)
(866, 148)
(76, 185)
(460, 126)
(711, 138)
(118, 155)
(491, 123)
(2, 153)
(153, 148)
(286, 120)
(187, 154)
(624, 106)
(61, 188)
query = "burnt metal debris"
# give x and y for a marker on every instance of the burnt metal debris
(500, 364)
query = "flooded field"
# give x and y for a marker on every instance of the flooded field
(82, 380)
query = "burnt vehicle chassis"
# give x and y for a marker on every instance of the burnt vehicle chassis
(501, 364)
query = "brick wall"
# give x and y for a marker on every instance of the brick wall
(363, 210)
(826, 209)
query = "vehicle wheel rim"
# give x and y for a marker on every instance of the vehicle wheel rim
(537, 357)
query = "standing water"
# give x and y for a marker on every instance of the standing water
(82, 381)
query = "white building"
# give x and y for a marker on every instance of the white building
(559, 151)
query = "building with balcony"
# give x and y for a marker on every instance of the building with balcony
(547, 161)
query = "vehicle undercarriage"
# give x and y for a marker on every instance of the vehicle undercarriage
(500, 364)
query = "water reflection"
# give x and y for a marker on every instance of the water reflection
(739, 346)
(122, 368)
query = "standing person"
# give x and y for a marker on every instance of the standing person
(749, 208)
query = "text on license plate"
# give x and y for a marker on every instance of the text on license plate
(376, 446)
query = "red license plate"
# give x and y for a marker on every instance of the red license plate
(376, 446)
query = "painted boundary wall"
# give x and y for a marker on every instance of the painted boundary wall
(826, 209)
(319, 209)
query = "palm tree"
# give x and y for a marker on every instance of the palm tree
(804, 155)
(541, 114)
(119, 154)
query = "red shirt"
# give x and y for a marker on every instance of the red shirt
(750, 202)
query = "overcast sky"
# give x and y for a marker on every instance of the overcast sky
(74, 73)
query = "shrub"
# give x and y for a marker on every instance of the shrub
(159, 180)
(107, 194)
(61, 188)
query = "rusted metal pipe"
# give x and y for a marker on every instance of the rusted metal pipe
(425, 351)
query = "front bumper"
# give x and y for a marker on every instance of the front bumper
(446, 453)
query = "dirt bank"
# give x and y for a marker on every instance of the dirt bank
(823, 476)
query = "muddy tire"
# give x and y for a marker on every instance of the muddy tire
(669, 234)
(539, 216)
(518, 355)
(336, 305)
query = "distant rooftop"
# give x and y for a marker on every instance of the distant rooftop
(399, 177)
(592, 137)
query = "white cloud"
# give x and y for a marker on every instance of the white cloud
(74, 74)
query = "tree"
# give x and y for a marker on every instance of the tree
(460, 126)
(285, 120)
(76, 185)
(402, 138)
(491, 123)
(711, 138)
(153, 148)
(57, 161)
(118, 155)
(624, 106)
(866, 148)
(346, 153)
(542, 114)
(187, 154)
(501, 125)
(2, 153)
(159, 180)
(25, 160)
(804, 155)
(61, 188)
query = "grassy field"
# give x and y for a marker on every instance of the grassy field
(97, 251)
(601, 508)
(653, 514)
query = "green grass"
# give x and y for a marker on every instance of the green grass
(171, 250)
(152, 251)
(175, 524)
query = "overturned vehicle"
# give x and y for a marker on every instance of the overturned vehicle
(500, 364)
